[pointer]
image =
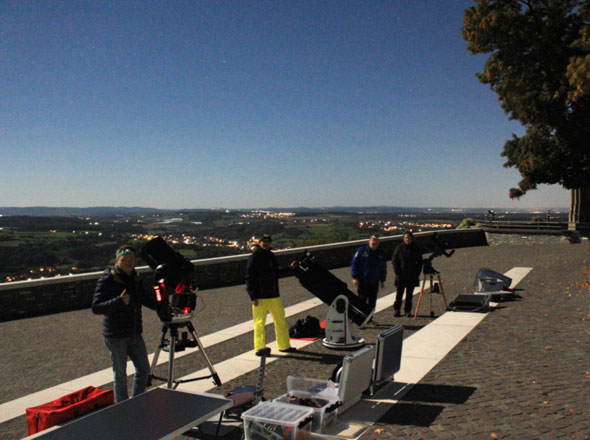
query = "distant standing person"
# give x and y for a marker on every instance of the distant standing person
(407, 265)
(119, 297)
(262, 285)
(368, 270)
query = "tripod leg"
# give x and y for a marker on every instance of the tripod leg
(219, 424)
(157, 355)
(430, 295)
(214, 375)
(442, 291)
(171, 348)
(420, 297)
(258, 392)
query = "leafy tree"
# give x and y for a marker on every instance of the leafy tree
(467, 223)
(578, 70)
(539, 66)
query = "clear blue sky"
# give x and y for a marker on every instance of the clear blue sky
(242, 104)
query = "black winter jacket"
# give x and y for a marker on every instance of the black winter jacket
(262, 275)
(407, 264)
(120, 320)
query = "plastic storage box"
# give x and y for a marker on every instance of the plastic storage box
(319, 395)
(277, 421)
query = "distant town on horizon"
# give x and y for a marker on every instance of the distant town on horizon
(39, 242)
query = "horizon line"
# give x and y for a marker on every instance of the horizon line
(287, 208)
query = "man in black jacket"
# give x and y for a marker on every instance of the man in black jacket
(407, 265)
(119, 297)
(262, 285)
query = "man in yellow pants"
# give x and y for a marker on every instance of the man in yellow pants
(262, 284)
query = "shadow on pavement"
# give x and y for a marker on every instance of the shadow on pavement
(416, 407)
(322, 358)
(413, 327)
(433, 393)
(415, 414)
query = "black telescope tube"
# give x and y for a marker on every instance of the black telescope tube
(327, 287)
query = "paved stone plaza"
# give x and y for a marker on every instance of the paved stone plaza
(523, 373)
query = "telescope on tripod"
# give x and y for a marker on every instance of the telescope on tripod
(438, 247)
(174, 289)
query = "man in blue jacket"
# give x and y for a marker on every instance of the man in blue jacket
(119, 297)
(368, 270)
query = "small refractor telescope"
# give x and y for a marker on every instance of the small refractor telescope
(173, 281)
(438, 246)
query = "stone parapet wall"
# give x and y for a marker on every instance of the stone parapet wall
(527, 239)
(52, 295)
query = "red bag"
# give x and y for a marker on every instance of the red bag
(67, 407)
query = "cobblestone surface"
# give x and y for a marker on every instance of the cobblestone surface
(523, 373)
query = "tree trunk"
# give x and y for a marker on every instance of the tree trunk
(579, 218)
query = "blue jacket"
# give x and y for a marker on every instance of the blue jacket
(368, 265)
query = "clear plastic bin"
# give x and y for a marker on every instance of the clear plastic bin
(319, 395)
(277, 421)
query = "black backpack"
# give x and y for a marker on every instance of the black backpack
(309, 327)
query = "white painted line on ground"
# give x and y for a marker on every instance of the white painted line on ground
(421, 352)
(247, 362)
(17, 407)
(232, 371)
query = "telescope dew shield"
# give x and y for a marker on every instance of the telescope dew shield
(157, 252)
(173, 275)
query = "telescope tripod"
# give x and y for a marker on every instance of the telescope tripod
(434, 288)
(175, 344)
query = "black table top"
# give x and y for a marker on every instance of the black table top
(157, 414)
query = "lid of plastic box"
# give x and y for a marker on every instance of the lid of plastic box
(278, 413)
(320, 388)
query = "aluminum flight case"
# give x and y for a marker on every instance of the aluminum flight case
(470, 303)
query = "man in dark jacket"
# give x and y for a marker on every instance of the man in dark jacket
(407, 265)
(262, 285)
(119, 296)
(368, 270)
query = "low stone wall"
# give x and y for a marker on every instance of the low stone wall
(511, 239)
(45, 296)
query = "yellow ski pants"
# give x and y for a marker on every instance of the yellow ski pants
(259, 312)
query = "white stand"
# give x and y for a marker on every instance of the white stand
(338, 327)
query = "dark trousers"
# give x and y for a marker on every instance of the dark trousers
(409, 288)
(368, 292)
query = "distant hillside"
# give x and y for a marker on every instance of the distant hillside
(118, 210)
(67, 212)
